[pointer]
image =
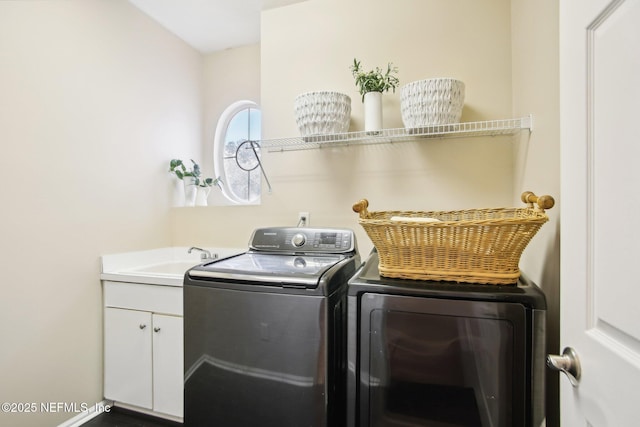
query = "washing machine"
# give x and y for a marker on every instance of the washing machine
(265, 331)
(434, 354)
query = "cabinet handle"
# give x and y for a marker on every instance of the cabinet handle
(142, 326)
(156, 329)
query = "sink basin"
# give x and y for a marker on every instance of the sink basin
(171, 268)
(160, 266)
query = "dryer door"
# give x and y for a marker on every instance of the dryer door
(437, 362)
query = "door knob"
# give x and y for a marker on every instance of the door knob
(568, 363)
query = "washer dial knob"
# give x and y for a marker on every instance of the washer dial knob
(298, 240)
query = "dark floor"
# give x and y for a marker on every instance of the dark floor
(118, 417)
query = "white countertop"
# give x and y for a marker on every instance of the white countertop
(162, 266)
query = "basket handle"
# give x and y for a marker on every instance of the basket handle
(361, 208)
(544, 202)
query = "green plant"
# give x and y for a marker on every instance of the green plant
(179, 169)
(375, 80)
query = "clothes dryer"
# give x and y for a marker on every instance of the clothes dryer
(428, 354)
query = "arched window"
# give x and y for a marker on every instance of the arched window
(236, 153)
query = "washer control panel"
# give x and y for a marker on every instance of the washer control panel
(303, 239)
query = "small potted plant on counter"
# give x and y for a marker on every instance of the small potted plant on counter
(196, 188)
(371, 85)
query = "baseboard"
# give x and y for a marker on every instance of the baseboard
(91, 412)
(149, 412)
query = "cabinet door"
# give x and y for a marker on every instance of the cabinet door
(127, 356)
(167, 365)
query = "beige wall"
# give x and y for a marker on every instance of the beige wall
(537, 162)
(229, 76)
(95, 100)
(466, 40)
(506, 53)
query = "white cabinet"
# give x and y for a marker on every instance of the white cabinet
(143, 347)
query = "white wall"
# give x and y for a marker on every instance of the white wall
(95, 98)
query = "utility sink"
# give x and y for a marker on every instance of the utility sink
(170, 268)
(161, 266)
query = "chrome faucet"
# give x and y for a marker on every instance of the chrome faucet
(204, 254)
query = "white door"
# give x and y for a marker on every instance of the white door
(600, 138)
(168, 365)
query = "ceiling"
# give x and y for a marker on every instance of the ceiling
(211, 25)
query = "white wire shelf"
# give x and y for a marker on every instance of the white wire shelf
(483, 128)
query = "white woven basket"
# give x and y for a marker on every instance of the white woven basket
(431, 102)
(322, 113)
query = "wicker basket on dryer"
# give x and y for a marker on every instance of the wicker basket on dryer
(472, 246)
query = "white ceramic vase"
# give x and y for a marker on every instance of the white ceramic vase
(190, 190)
(373, 112)
(202, 196)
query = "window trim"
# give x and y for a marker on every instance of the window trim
(218, 147)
